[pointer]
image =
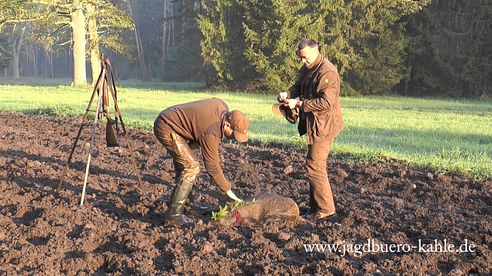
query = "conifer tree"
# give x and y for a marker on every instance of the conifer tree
(450, 49)
(222, 46)
(364, 38)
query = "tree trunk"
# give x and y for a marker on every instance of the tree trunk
(78, 40)
(171, 31)
(94, 43)
(95, 64)
(52, 67)
(183, 19)
(164, 36)
(66, 64)
(15, 62)
(34, 60)
(45, 69)
(138, 41)
(17, 42)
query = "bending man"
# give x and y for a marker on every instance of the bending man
(204, 123)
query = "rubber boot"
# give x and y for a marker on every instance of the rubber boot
(173, 193)
(175, 213)
(187, 169)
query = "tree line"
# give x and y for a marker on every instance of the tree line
(409, 47)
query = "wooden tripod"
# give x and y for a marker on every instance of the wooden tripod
(101, 89)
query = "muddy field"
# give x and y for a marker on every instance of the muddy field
(120, 227)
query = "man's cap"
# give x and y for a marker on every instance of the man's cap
(282, 109)
(240, 125)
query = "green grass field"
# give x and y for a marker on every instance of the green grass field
(448, 135)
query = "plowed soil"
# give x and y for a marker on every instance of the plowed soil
(120, 227)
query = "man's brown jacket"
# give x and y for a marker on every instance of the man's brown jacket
(318, 87)
(200, 122)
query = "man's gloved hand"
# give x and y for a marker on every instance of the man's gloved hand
(232, 196)
(282, 96)
(292, 103)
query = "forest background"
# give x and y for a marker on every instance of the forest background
(403, 47)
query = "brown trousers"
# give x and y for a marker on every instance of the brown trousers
(320, 196)
(186, 166)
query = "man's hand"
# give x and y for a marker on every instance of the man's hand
(282, 96)
(232, 196)
(292, 103)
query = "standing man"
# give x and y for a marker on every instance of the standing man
(316, 94)
(204, 123)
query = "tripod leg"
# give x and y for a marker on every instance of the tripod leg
(112, 88)
(62, 179)
(69, 161)
(93, 135)
(86, 176)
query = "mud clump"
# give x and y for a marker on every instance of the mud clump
(265, 208)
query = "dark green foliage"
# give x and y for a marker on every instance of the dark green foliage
(412, 47)
(223, 44)
(372, 43)
(450, 51)
(182, 61)
(271, 38)
(363, 38)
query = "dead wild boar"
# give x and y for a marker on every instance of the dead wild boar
(268, 207)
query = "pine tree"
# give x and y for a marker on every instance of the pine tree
(272, 30)
(222, 45)
(364, 38)
(450, 49)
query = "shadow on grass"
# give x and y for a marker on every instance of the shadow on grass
(35, 82)
(154, 85)
(131, 83)
(52, 111)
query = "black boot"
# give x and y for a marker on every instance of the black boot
(176, 206)
(188, 201)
